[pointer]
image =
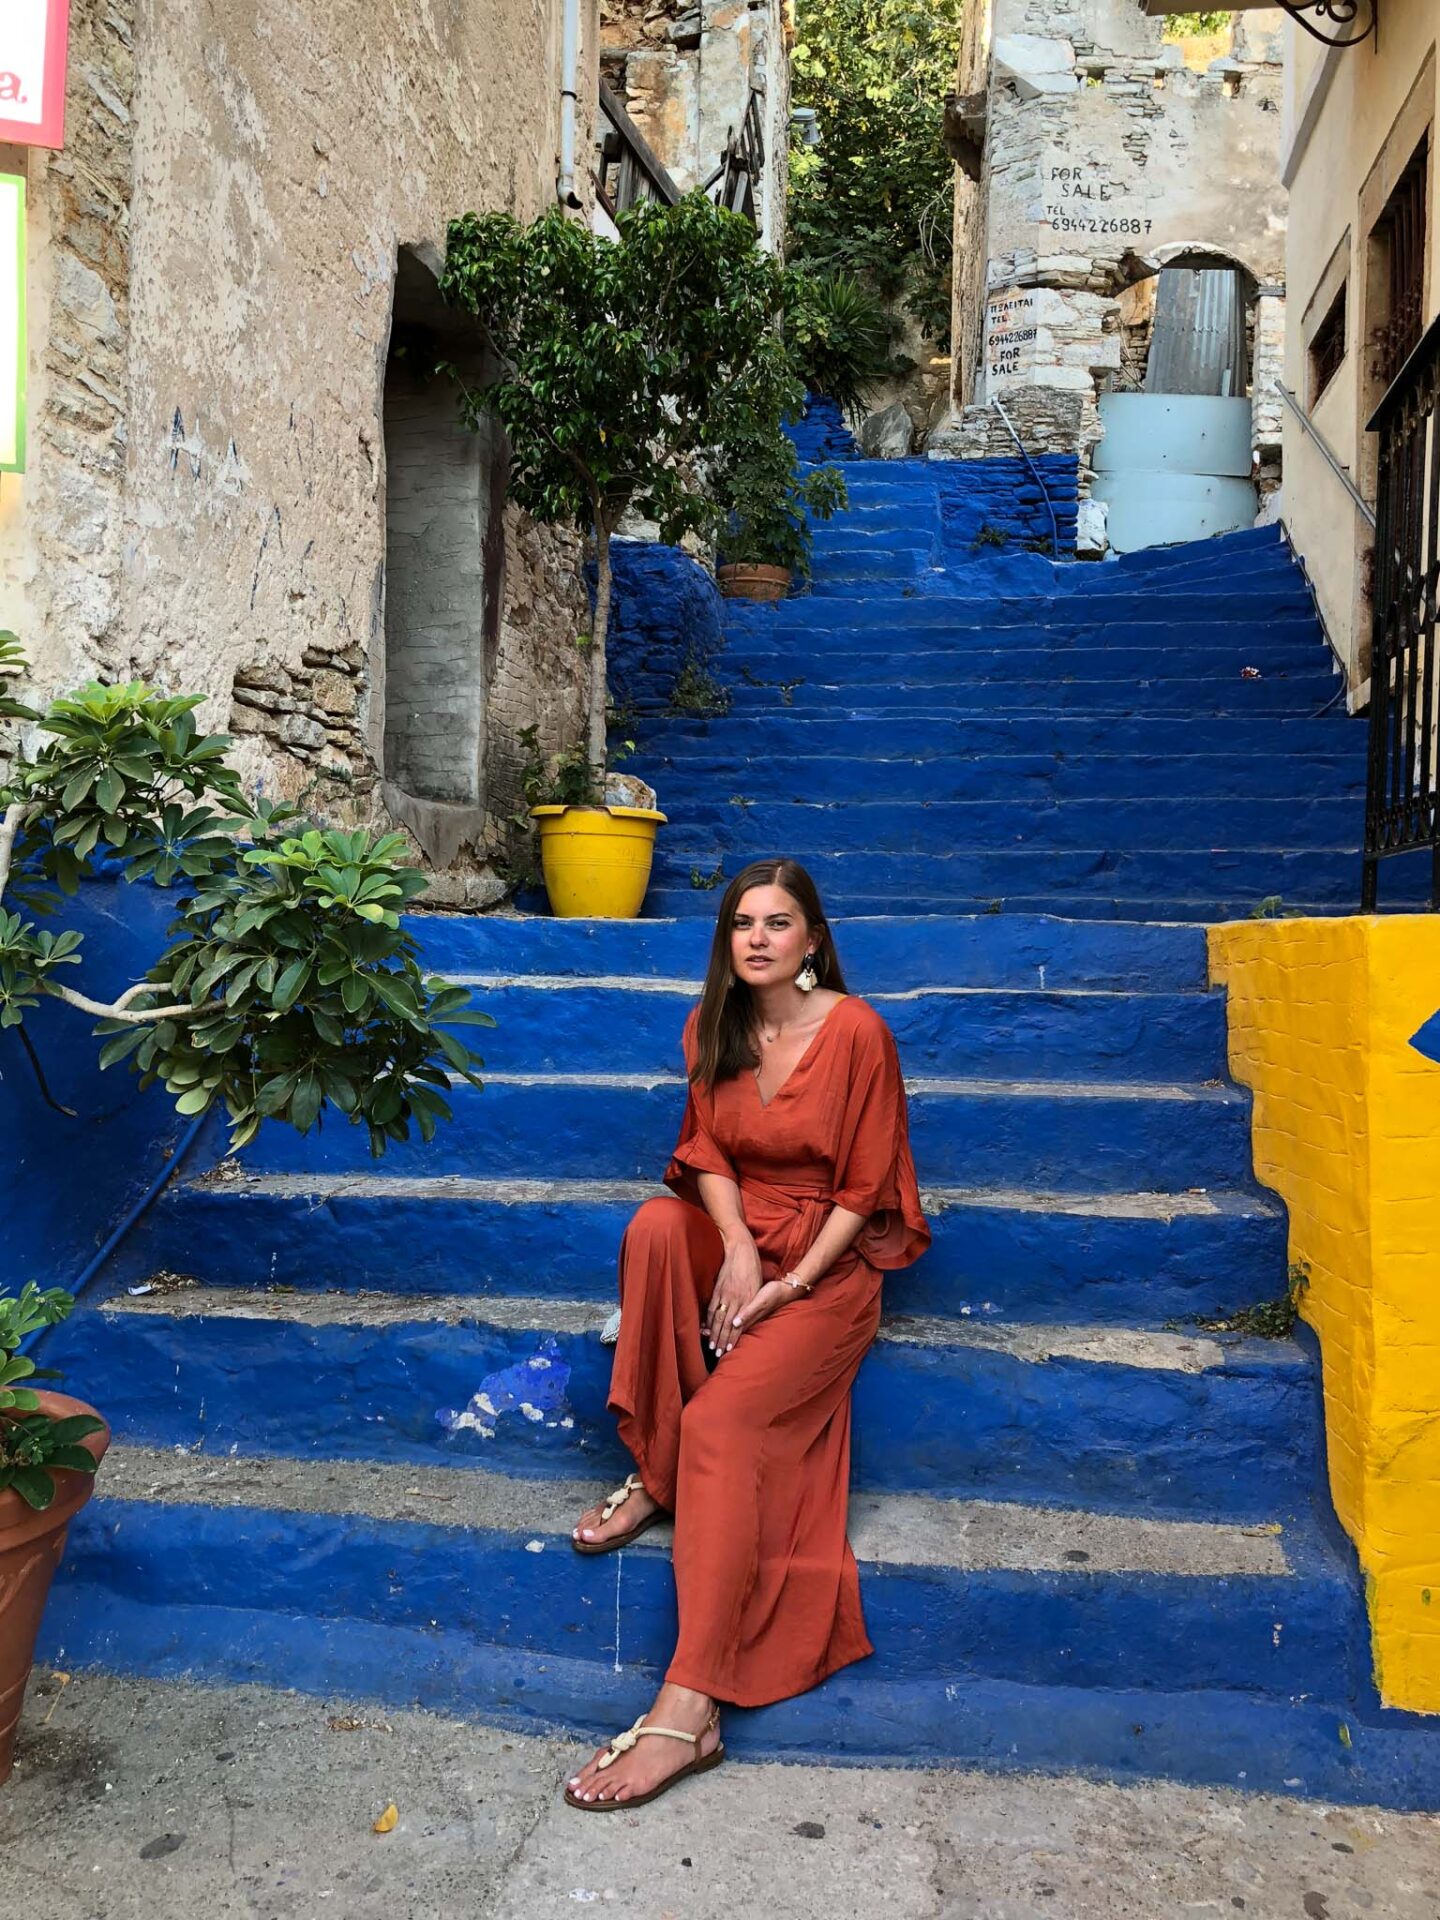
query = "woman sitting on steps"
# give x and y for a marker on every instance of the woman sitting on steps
(795, 1192)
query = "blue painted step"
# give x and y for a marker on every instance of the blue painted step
(962, 882)
(1296, 695)
(1224, 778)
(1004, 1255)
(1030, 651)
(894, 953)
(986, 1032)
(521, 1588)
(1215, 1737)
(941, 731)
(1103, 1137)
(1144, 825)
(900, 613)
(1148, 1423)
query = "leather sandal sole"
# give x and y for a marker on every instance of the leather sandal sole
(620, 1539)
(702, 1765)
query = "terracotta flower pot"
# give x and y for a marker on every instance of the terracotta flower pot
(743, 581)
(31, 1544)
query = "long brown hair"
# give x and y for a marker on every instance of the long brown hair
(725, 1030)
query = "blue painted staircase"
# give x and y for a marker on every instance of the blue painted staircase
(359, 1406)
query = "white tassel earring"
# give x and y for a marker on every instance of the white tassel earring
(807, 979)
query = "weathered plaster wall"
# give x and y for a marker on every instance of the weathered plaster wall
(61, 523)
(215, 254)
(1333, 1024)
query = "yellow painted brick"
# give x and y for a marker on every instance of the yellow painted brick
(1347, 1131)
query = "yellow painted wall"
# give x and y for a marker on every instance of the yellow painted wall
(1322, 1014)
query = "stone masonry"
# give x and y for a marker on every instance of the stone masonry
(684, 70)
(1108, 153)
(212, 268)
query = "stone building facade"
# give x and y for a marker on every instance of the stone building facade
(242, 227)
(1093, 153)
(687, 72)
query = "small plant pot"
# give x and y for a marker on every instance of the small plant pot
(744, 581)
(596, 860)
(31, 1544)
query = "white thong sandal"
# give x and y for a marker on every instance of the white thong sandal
(623, 1742)
(614, 1501)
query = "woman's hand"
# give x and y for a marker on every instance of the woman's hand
(737, 1286)
(772, 1295)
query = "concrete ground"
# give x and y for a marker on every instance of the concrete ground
(174, 1802)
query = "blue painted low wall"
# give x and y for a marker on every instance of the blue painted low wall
(70, 1181)
(665, 614)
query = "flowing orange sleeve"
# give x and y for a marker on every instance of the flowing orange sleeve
(697, 1150)
(874, 1171)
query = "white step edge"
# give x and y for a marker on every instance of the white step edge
(692, 989)
(919, 1088)
(887, 1529)
(230, 1177)
(1133, 1347)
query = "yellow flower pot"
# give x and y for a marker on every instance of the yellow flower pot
(596, 859)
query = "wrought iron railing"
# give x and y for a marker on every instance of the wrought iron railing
(1402, 794)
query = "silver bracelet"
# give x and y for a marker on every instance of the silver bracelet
(796, 1283)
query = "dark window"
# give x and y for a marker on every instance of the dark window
(1327, 347)
(1400, 233)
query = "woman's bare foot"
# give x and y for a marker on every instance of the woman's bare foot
(595, 1531)
(651, 1762)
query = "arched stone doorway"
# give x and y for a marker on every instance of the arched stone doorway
(444, 555)
(1177, 461)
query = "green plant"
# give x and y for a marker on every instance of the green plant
(623, 367)
(1184, 26)
(874, 197)
(555, 780)
(1270, 908)
(705, 882)
(697, 691)
(1267, 1319)
(289, 984)
(839, 334)
(989, 536)
(770, 505)
(35, 1445)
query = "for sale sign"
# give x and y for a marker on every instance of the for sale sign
(33, 36)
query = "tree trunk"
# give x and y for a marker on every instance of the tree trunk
(597, 745)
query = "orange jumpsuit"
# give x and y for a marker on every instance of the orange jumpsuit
(753, 1458)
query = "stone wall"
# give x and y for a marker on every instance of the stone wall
(61, 524)
(1109, 152)
(213, 259)
(684, 71)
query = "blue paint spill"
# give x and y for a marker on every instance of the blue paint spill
(533, 1388)
(1427, 1040)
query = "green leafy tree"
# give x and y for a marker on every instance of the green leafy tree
(623, 366)
(289, 983)
(873, 198)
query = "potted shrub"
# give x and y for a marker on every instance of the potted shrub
(289, 987)
(770, 506)
(50, 1446)
(620, 368)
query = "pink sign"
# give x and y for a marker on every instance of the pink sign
(33, 37)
